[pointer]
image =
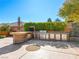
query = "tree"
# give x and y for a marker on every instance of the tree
(19, 23)
(57, 20)
(49, 20)
(5, 27)
(70, 10)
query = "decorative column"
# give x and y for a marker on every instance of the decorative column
(68, 29)
(69, 26)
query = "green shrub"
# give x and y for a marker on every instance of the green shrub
(5, 27)
(1, 37)
(55, 26)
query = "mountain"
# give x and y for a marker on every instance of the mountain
(13, 24)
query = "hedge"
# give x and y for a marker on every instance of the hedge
(55, 26)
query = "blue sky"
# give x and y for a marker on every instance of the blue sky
(29, 10)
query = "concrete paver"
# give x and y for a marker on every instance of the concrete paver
(43, 54)
(48, 50)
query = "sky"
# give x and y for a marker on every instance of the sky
(29, 10)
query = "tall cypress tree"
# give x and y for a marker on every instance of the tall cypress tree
(19, 23)
(49, 20)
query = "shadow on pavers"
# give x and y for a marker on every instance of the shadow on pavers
(57, 44)
(9, 48)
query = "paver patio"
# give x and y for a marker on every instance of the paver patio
(48, 50)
